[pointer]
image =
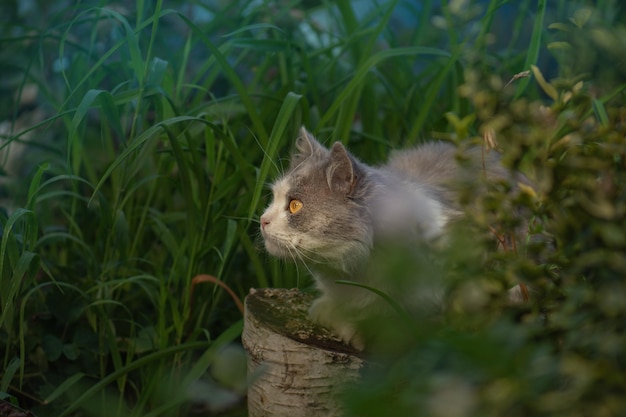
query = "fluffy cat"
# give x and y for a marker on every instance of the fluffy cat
(330, 211)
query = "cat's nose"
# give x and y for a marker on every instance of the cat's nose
(264, 222)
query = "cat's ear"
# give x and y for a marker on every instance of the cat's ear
(341, 172)
(307, 145)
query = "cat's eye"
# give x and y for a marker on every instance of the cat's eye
(295, 206)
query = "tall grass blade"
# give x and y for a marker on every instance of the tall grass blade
(234, 78)
(64, 386)
(278, 131)
(535, 46)
(141, 140)
(371, 62)
(8, 373)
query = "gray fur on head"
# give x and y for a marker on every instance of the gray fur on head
(333, 228)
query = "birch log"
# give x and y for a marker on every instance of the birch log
(295, 366)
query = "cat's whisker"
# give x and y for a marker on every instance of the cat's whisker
(267, 155)
(301, 255)
(304, 263)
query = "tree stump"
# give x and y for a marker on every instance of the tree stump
(296, 367)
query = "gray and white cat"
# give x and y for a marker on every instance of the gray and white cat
(330, 211)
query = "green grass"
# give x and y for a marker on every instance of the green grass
(160, 132)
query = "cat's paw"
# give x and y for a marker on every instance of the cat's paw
(348, 333)
(325, 313)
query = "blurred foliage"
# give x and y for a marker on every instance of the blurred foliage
(136, 139)
(562, 353)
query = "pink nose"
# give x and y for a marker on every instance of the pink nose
(264, 222)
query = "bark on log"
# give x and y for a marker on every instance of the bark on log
(296, 366)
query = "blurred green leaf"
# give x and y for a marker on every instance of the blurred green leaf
(545, 86)
(581, 16)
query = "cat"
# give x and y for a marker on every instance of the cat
(330, 211)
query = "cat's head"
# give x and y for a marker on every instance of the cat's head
(317, 214)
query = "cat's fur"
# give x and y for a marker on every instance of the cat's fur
(349, 208)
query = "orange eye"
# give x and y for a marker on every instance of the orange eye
(295, 206)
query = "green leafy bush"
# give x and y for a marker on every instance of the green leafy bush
(562, 353)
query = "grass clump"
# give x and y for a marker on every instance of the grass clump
(137, 141)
